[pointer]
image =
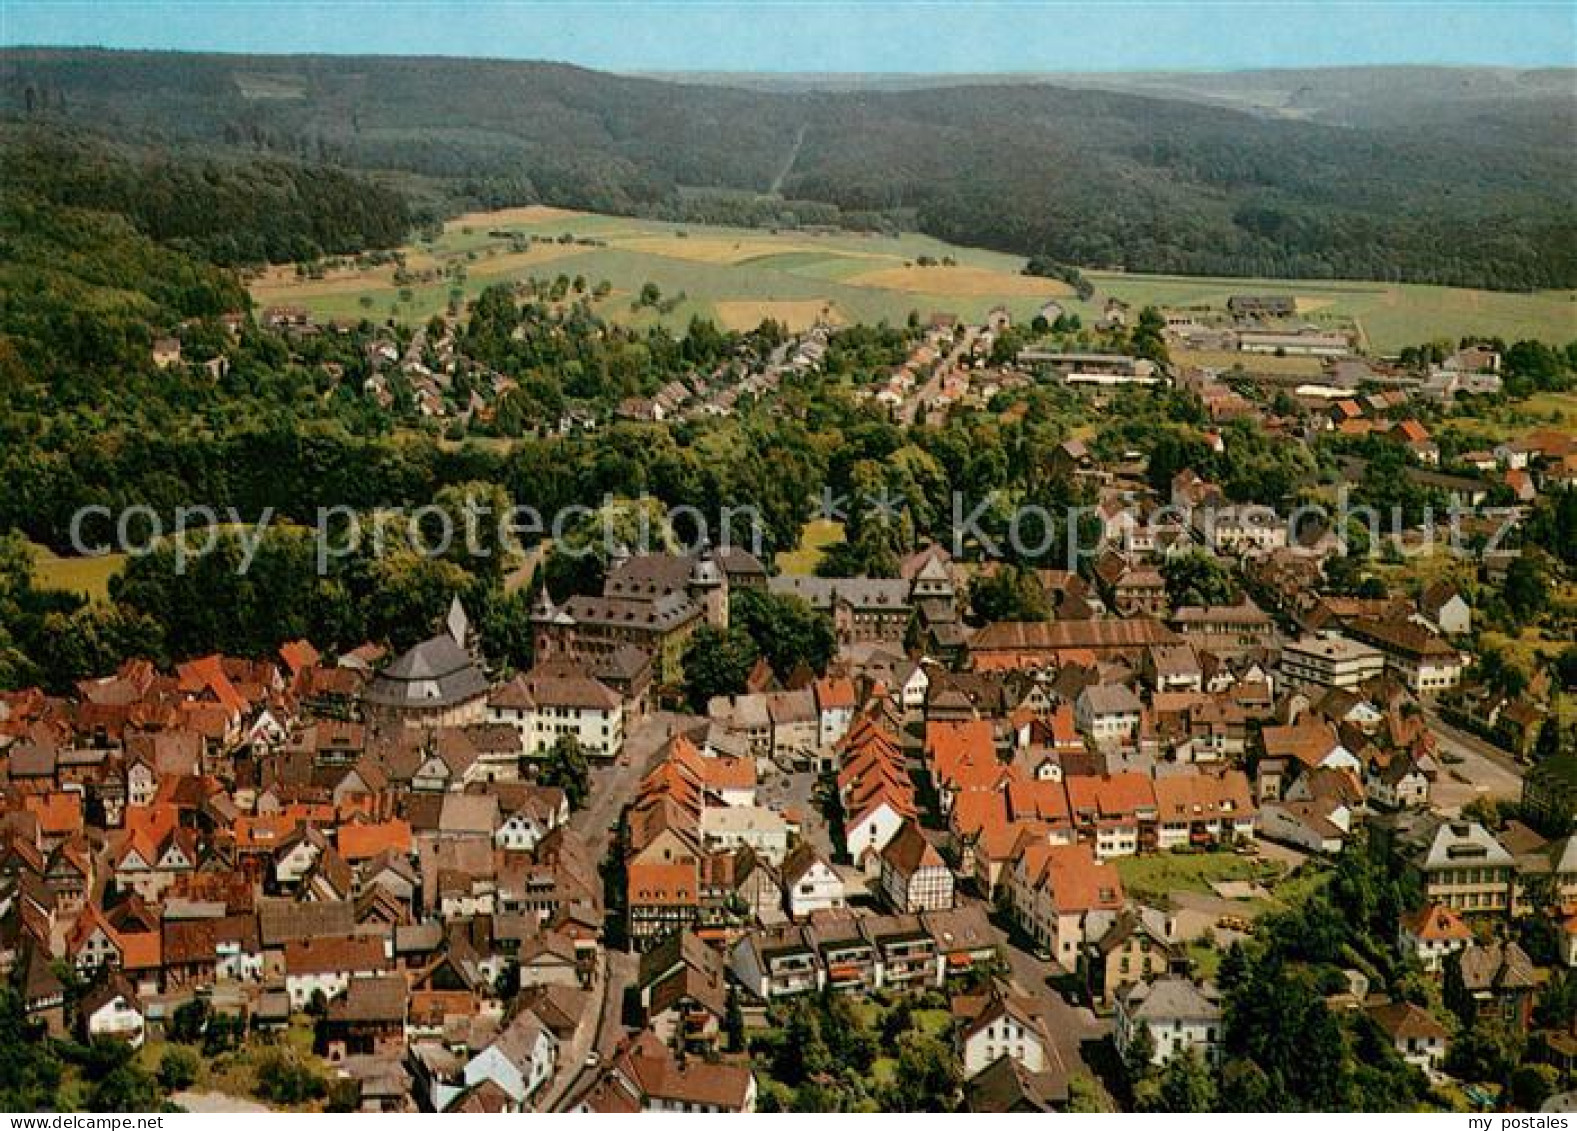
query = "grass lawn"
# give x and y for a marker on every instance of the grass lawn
(813, 542)
(1387, 315)
(1166, 872)
(1514, 420)
(1294, 890)
(884, 1070)
(1206, 958)
(933, 1022)
(89, 577)
(235, 1073)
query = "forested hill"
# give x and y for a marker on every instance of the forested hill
(1472, 189)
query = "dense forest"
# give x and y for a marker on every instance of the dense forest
(1479, 191)
(231, 209)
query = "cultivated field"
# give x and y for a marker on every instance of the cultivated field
(737, 276)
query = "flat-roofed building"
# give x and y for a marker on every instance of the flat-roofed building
(1330, 660)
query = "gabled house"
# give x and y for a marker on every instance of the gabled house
(1128, 946)
(1179, 1014)
(1418, 1038)
(809, 883)
(113, 1009)
(518, 1061)
(1496, 981)
(684, 992)
(646, 1076)
(914, 876)
(1432, 935)
(1108, 713)
(1052, 888)
(1002, 1024)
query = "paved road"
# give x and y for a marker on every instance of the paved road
(933, 384)
(612, 788)
(619, 973)
(1485, 770)
(613, 783)
(1070, 1026)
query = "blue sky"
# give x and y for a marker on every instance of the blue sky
(876, 35)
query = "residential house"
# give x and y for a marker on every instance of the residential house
(1432, 934)
(1463, 867)
(1128, 946)
(519, 1060)
(1053, 888)
(1108, 713)
(777, 962)
(112, 1009)
(1202, 809)
(1497, 981)
(1115, 813)
(809, 883)
(1443, 603)
(914, 877)
(684, 992)
(1002, 1024)
(647, 1076)
(835, 705)
(1549, 791)
(1179, 1014)
(1418, 1038)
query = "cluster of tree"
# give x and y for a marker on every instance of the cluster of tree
(822, 1051)
(1008, 593)
(1252, 466)
(867, 350)
(35, 1068)
(567, 768)
(782, 628)
(1198, 578)
(1049, 268)
(583, 357)
(1283, 1047)
(167, 608)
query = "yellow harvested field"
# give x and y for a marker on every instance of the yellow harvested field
(705, 249)
(507, 217)
(960, 281)
(795, 313)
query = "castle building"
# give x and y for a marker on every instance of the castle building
(654, 602)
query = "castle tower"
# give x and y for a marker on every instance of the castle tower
(543, 615)
(708, 587)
